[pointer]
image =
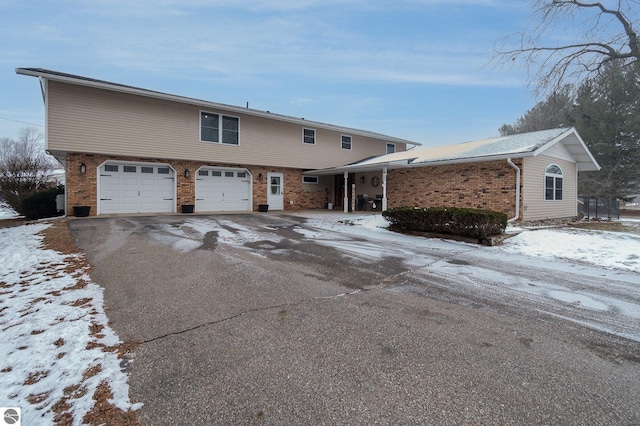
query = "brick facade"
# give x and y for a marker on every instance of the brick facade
(489, 186)
(82, 187)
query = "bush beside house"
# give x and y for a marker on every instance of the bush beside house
(42, 204)
(463, 222)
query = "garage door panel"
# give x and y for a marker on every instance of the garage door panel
(222, 190)
(140, 189)
(149, 182)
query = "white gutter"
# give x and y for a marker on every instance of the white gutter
(517, 216)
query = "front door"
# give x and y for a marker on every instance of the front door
(275, 191)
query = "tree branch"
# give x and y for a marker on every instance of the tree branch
(550, 67)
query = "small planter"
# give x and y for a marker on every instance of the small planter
(187, 208)
(263, 207)
(81, 211)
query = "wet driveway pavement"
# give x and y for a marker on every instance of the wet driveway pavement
(269, 319)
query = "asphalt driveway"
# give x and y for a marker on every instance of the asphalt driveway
(250, 319)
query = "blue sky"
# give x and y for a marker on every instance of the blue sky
(417, 69)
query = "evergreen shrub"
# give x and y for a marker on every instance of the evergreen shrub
(464, 222)
(42, 204)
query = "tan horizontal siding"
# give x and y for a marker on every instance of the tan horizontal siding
(535, 206)
(82, 119)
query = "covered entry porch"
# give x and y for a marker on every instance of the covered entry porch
(363, 185)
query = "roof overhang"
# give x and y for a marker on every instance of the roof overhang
(115, 87)
(569, 138)
(572, 141)
(352, 168)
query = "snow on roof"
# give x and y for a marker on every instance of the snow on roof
(512, 146)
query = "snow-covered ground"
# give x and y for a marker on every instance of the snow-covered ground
(6, 212)
(606, 249)
(56, 345)
(612, 250)
(588, 277)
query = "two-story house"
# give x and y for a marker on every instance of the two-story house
(132, 150)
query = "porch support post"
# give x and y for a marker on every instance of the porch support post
(345, 202)
(384, 188)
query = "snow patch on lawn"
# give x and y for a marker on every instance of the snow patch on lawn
(607, 249)
(6, 212)
(48, 308)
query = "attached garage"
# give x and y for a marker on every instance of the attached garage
(136, 188)
(223, 190)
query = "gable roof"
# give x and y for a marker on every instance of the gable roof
(500, 148)
(116, 87)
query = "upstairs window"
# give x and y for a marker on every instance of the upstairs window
(553, 183)
(219, 128)
(345, 142)
(309, 136)
(391, 148)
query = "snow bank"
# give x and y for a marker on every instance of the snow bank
(6, 212)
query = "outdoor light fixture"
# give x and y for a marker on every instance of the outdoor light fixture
(361, 179)
(83, 168)
(260, 176)
(187, 173)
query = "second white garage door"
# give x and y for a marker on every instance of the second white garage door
(223, 190)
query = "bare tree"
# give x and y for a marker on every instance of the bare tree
(573, 40)
(25, 168)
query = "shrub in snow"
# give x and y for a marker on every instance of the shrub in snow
(42, 204)
(471, 223)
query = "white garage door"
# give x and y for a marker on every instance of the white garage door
(136, 188)
(223, 190)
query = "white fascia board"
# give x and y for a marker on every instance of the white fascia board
(583, 165)
(472, 159)
(553, 141)
(359, 168)
(208, 104)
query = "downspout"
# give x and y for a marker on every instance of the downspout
(517, 216)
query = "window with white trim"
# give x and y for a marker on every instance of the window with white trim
(310, 179)
(345, 142)
(219, 128)
(309, 136)
(391, 148)
(553, 183)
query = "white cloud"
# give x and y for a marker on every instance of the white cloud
(254, 39)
